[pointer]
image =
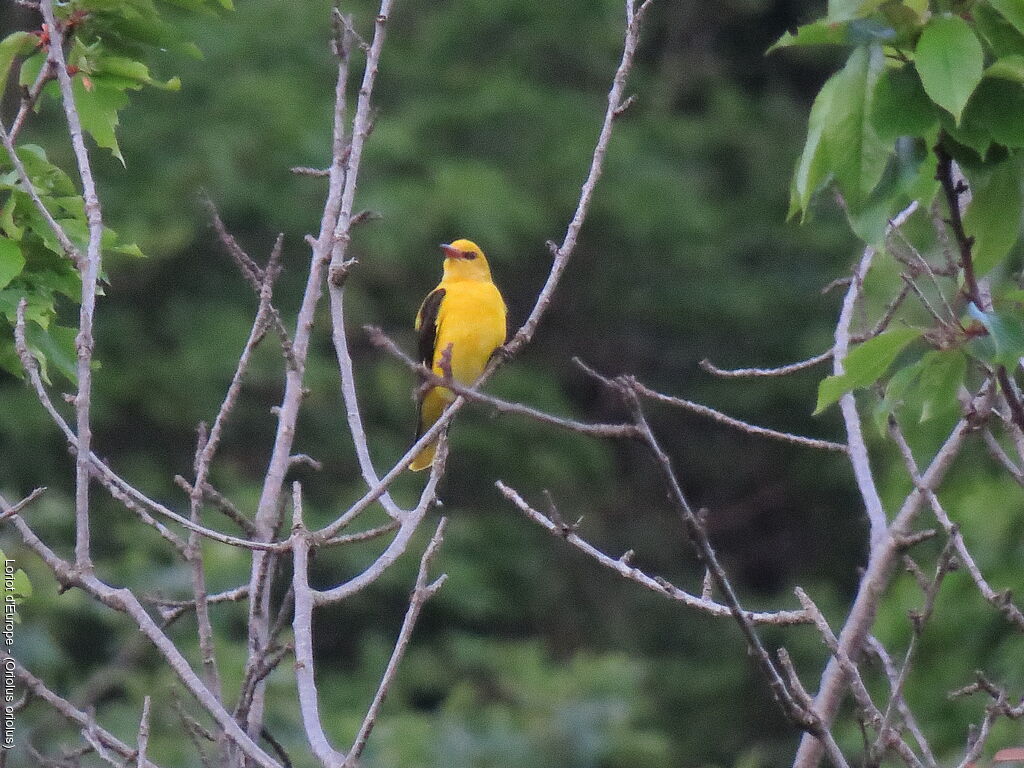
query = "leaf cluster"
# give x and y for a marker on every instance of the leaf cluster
(107, 44)
(921, 82)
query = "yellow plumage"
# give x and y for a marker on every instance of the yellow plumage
(465, 311)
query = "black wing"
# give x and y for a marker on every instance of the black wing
(427, 321)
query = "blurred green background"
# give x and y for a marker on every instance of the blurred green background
(531, 655)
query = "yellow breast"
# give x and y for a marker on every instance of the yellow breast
(472, 319)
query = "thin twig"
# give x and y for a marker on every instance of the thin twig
(14, 509)
(420, 594)
(379, 339)
(1000, 600)
(70, 249)
(116, 485)
(697, 534)
(655, 584)
(402, 539)
(124, 601)
(730, 421)
(909, 720)
(782, 370)
(70, 712)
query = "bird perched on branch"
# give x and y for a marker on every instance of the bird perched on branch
(460, 324)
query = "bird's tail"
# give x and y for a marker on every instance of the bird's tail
(424, 458)
(431, 407)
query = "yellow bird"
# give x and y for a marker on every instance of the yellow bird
(465, 311)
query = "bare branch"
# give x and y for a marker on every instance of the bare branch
(124, 601)
(143, 742)
(420, 594)
(697, 534)
(70, 249)
(302, 625)
(28, 101)
(12, 510)
(858, 449)
(90, 271)
(730, 421)
(783, 370)
(379, 339)
(70, 712)
(116, 485)
(877, 575)
(901, 705)
(655, 584)
(562, 254)
(398, 544)
(805, 701)
(1000, 600)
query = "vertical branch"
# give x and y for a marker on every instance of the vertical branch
(859, 457)
(204, 457)
(302, 625)
(143, 740)
(90, 270)
(266, 512)
(342, 235)
(953, 189)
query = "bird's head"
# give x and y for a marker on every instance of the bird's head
(463, 260)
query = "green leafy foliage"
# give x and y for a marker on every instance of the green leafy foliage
(106, 45)
(1012, 11)
(1004, 344)
(14, 45)
(865, 364)
(925, 389)
(941, 79)
(856, 155)
(950, 61)
(994, 215)
(901, 106)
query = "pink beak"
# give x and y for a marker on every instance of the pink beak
(451, 252)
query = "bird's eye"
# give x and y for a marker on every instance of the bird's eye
(468, 255)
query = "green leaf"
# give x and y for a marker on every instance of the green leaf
(994, 214)
(812, 169)
(14, 45)
(856, 155)
(896, 390)
(1008, 68)
(993, 113)
(901, 106)
(11, 261)
(824, 32)
(1000, 34)
(942, 373)
(950, 61)
(97, 108)
(865, 364)
(1006, 332)
(910, 175)
(1012, 11)
(55, 346)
